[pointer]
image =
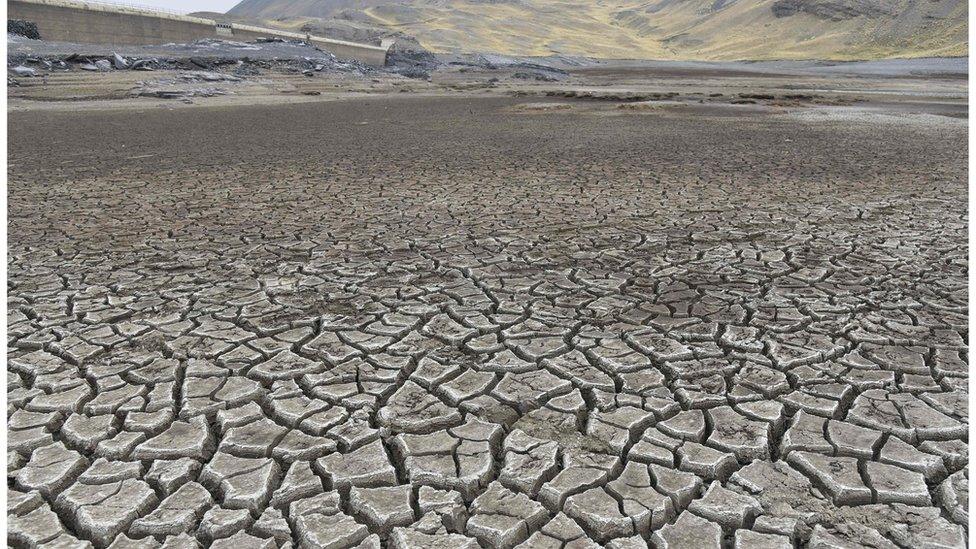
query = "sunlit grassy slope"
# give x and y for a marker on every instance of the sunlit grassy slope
(657, 29)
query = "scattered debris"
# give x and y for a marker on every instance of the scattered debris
(207, 76)
(216, 43)
(642, 106)
(23, 71)
(533, 75)
(541, 107)
(145, 64)
(763, 96)
(119, 62)
(202, 63)
(412, 63)
(177, 93)
(205, 62)
(612, 96)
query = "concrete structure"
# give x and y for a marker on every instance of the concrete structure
(94, 23)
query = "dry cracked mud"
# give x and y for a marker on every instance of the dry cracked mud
(435, 322)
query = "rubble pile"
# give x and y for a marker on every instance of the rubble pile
(26, 29)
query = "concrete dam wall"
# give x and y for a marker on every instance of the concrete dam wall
(93, 23)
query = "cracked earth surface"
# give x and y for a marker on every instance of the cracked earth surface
(434, 323)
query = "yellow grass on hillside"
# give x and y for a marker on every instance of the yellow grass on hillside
(677, 29)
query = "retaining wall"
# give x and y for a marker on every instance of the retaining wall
(84, 23)
(373, 55)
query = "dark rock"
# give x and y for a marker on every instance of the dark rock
(145, 64)
(26, 29)
(412, 63)
(540, 76)
(832, 10)
(202, 63)
(414, 72)
(119, 62)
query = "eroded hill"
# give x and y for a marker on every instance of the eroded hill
(660, 29)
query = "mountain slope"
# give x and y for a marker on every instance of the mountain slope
(659, 29)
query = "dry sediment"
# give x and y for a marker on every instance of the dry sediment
(430, 321)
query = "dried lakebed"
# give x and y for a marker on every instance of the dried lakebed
(443, 322)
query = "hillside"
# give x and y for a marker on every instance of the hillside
(659, 29)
